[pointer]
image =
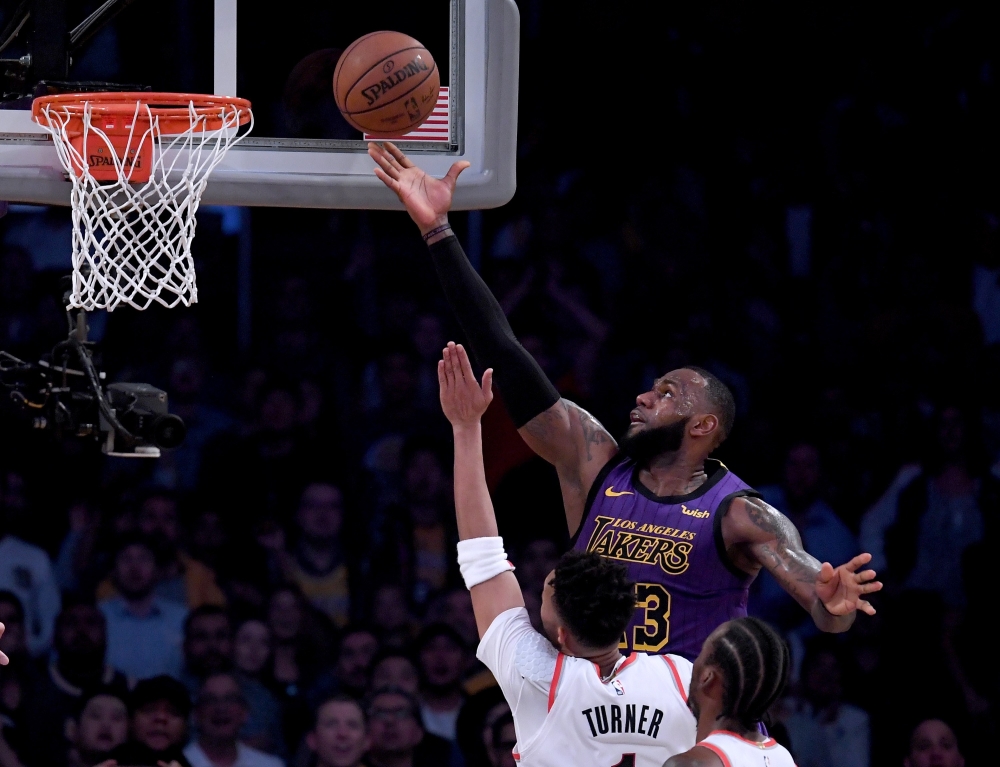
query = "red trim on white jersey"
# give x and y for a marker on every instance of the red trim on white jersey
(555, 679)
(718, 752)
(677, 677)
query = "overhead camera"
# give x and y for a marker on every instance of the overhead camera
(64, 393)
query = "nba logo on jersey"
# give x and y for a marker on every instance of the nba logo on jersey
(619, 687)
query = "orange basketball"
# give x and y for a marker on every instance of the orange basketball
(386, 84)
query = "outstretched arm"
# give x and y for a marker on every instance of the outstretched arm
(759, 536)
(464, 401)
(560, 432)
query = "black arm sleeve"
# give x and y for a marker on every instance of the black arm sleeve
(526, 390)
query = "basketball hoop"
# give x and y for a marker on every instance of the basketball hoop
(139, 163)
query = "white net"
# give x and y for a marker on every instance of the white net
(132, 241)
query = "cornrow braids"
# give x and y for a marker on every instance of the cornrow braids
(594, 596)
(754, 660)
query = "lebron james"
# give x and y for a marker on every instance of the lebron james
(693, 535)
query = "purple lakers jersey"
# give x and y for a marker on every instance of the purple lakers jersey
(685, 583)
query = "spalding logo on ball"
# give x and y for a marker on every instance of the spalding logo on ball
(386, 84)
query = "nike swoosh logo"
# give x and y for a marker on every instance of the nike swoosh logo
(610, 492)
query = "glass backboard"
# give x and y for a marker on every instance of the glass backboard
(301, 152)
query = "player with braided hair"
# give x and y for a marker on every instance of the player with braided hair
(741, 671)
(574, 697)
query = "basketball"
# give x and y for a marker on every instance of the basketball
(386, 84)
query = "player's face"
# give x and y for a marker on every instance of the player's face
(674, 397)
(103, 725)
(695, 692)
(340, 738)
(934, 745)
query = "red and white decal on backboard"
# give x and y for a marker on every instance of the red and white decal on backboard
(437, 127)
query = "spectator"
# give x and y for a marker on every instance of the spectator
(939, 515)
(503, 741)
(203, 422)
(182, 578)
(441, 658)
(251, 655)
(318, 565)
(825, 536)
(391, 618)
(420, 537)
(220, 714)
(398, 740)
(145, 632)
(358, 647)
(208, 644)
(96, 729)
(25, 569)
(301, 647)
(339, 737)
(393, 668)
(17, 679)
(76, 668)
(933, 744)
(158, 710)
(454, 607)
(825, 730)
(475, 725)
(537, 560)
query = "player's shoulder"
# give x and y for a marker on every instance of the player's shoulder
(699, 756)
(675, 668)
(750, 518)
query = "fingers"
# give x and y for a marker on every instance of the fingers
(858, 561)
(449, 365)
(488, 385)
(455, 171)
(865, 576)
(390, 182)
(464, 364)
(442, 378)
(384, 160)
(865, 607)
(397, 155)
(4, 660)
(825, 573)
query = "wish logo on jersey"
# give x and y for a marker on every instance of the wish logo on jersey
(642, 544)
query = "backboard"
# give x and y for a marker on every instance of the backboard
(301, 153)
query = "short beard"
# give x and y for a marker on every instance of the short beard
(645, 445)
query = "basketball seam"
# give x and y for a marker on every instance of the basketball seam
(373, 66)
(401, 96)
(343, 57)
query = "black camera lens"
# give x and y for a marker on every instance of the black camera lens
(167, 431)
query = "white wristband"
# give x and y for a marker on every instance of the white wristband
(480, 559)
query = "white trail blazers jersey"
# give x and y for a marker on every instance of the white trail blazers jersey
(566, 714)
(737, 751)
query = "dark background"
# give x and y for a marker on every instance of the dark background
(801, 199)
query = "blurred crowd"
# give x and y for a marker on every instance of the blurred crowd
(817, 223)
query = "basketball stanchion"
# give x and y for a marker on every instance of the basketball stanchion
(139, 164)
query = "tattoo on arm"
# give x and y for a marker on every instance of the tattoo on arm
(593, 432)
(779, 548)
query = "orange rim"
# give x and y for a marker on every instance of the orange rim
(173, 109)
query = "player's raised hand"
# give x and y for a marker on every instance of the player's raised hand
(427, 199)
(841, 589)
(463, 398)
(4, 660)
